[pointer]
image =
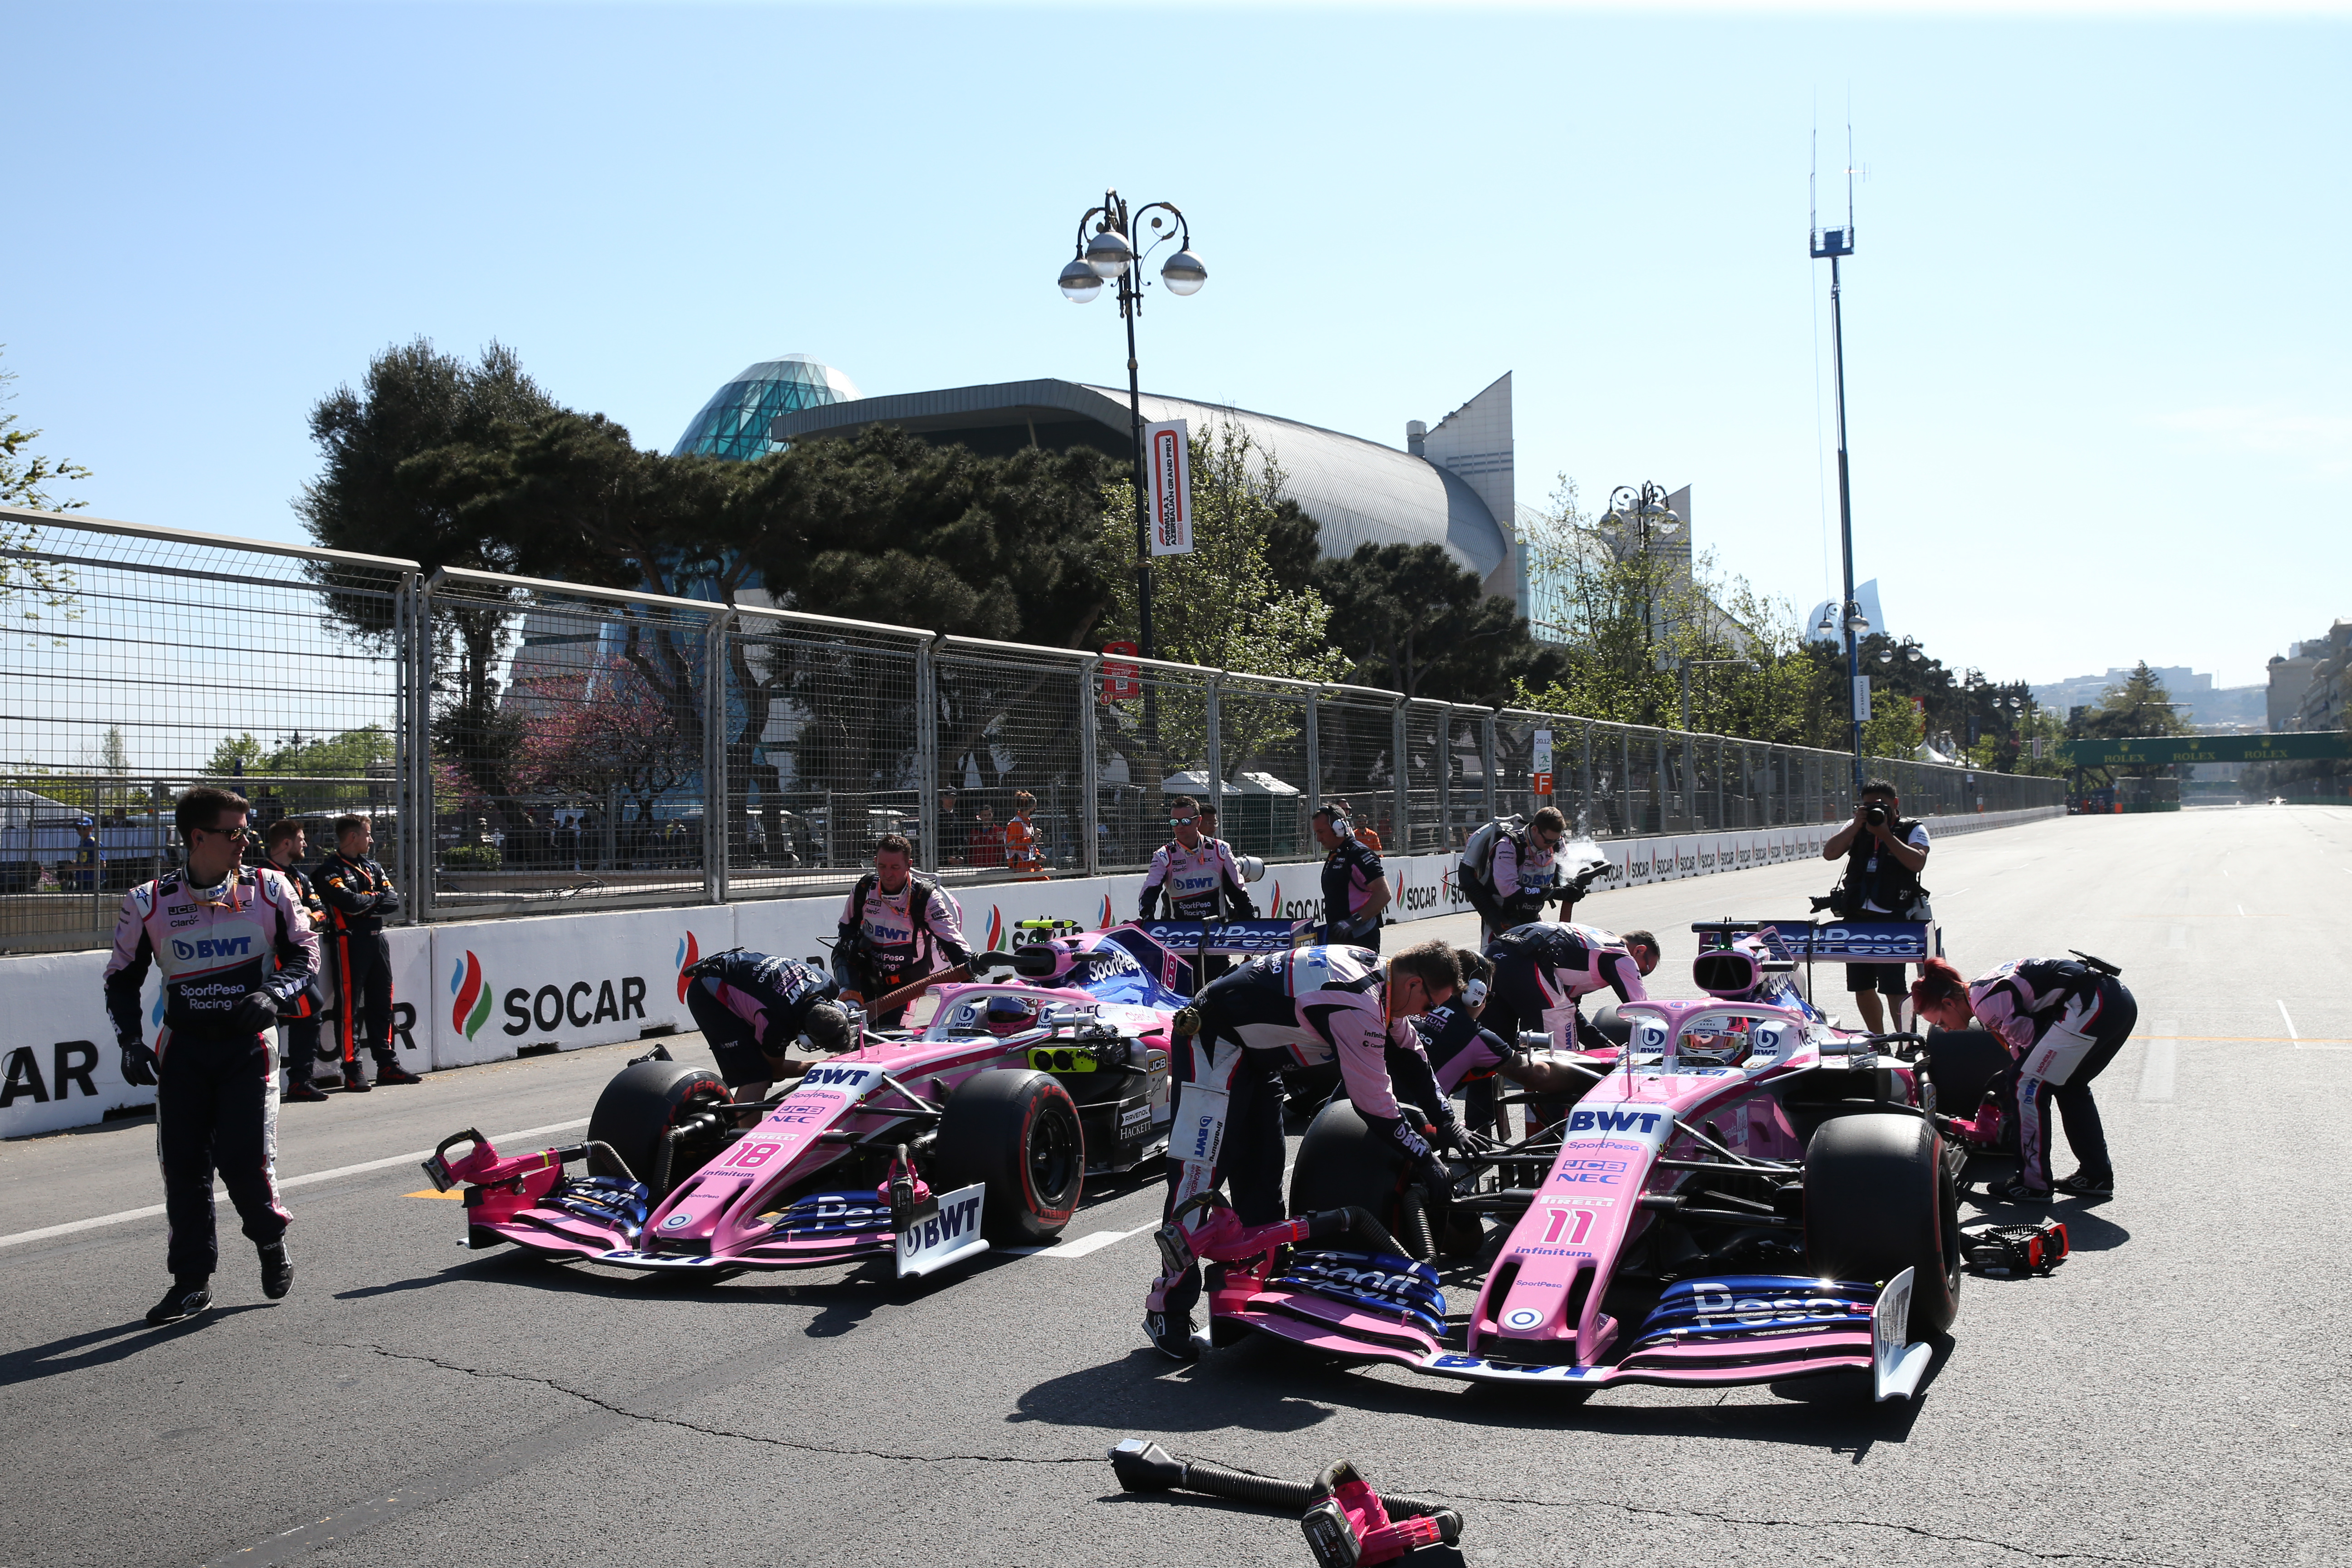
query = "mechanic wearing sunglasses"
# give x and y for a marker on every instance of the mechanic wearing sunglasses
(236, 947)
(1355, 886)
(1199, 877)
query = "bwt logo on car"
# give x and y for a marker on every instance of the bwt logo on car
(953, 1220)
(212, 947)
(1614, 1120)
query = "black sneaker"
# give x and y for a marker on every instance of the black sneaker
(1168, 1323)
(393, 1072)
(301, 1090)
(2019, 1193)
(182, 1300)
(277, 1270)
(2088, 1184)
(355, 1079)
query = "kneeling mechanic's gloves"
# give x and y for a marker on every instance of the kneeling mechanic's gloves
(255, 1013)
(139, 1063)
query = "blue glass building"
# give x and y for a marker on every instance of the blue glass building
(734, 423)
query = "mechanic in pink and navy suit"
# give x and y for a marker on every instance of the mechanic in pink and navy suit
(235, 944)
(1199, 877)
(752, 1007)
(1355, 887)
(2065, 1020)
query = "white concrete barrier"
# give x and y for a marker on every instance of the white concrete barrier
(486, 990)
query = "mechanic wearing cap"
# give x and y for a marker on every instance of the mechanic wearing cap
(1199, 877)
(1355, 886)
(1303, 1006)
(752, 1007)
(2065, 1020)
(234, 945)
(359, 894)
(1883, 852)
(894, 928)
(89, 856)
(1545, 966)
(284, 845)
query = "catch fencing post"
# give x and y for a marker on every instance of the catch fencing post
(1216, 763)
(1090, 766)
(1486, 750)
(718, 812)
(416, 722)
(926, 750)
(1402, 835)
(1445, 780)
(1314, 753)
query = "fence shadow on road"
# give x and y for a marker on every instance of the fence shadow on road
(104, 1347)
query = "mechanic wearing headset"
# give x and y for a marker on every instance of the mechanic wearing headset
(235, 947)
(894, 927)
(1301, 1006)
(1355, 887)
(1199, 877)
(1546, 965)
(2065, 1020)
(752, 1007)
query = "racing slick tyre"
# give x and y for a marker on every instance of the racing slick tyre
(1015, 1130)
(1343, 1164)
(1880, 1198)
(1610, 1026)
(641, 1104)
(1962, 1064)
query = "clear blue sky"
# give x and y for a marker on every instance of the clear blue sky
(2100, 353)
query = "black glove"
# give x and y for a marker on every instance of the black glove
(1436, 1180)
(256, 1013)
(139, 1065)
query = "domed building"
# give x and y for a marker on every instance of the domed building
(735, 422)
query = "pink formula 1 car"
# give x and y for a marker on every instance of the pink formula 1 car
(979, 1128)
(1746, 1196)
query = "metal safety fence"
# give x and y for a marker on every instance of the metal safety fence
(525, 746)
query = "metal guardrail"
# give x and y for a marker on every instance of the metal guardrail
(532, 745)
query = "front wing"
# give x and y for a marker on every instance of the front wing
(598, 1220)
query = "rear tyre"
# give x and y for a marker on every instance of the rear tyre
(1343, 1164)
(1016, 1132)
(1880, 1198)
(1611, 1026)
(643, 1103)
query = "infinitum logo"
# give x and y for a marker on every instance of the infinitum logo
(472, 1008)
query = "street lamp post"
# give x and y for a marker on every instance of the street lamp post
(1831, 245)
(1642, 509)
(1107, 256)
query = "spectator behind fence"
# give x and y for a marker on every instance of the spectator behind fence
(298, 1019)
(986, 844)
(1024, 847)
(89, 857)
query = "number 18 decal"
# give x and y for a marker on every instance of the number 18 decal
(1560, 1221)
(752, 1156)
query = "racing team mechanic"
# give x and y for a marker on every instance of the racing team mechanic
(1546, 965)
(284, 845)
(1199, 877)
(1521, 873)
(1355, 887)
(894, 927)
(235, 946)
(2065, 1020)
(359, 894)
(1302, 1007)
(1883, 851)
(752, 1007)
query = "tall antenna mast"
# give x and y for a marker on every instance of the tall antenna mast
(1834, 244)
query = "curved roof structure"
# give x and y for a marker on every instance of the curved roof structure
(734, 423)
(1360, 492)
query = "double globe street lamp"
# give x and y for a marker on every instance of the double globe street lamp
(1107, 256)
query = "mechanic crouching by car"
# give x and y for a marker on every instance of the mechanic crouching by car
(752, 1007)
(1546, 965)
(1355, 887)
(235, 946)
(2064, 1019)
(1883, 851)
(1305, 1006)
(895, 929)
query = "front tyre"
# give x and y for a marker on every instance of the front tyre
(1015, 1132)
(1880, 1198)
(640, 1106)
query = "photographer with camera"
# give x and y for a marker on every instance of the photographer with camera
(1883, 851)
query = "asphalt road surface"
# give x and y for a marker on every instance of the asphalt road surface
(2175, 1394)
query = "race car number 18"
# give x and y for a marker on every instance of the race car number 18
(752, 1156)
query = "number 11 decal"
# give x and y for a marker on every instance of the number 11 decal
(1559, 1222)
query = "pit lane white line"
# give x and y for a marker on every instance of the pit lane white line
(1094, 1242)
(283, 1184)
(2156, 1072)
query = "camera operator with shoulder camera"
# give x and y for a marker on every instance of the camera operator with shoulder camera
(1883, 851)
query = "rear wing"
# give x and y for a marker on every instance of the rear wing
(1807, 940)
(1237, 938)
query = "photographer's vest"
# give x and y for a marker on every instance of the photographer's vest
(1893, 886)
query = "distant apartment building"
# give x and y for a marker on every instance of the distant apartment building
(2209, 707)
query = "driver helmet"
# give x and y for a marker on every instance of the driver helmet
(1728, 1048)
(1008, 1014)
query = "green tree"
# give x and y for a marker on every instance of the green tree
(236, 755)
(29, 585)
